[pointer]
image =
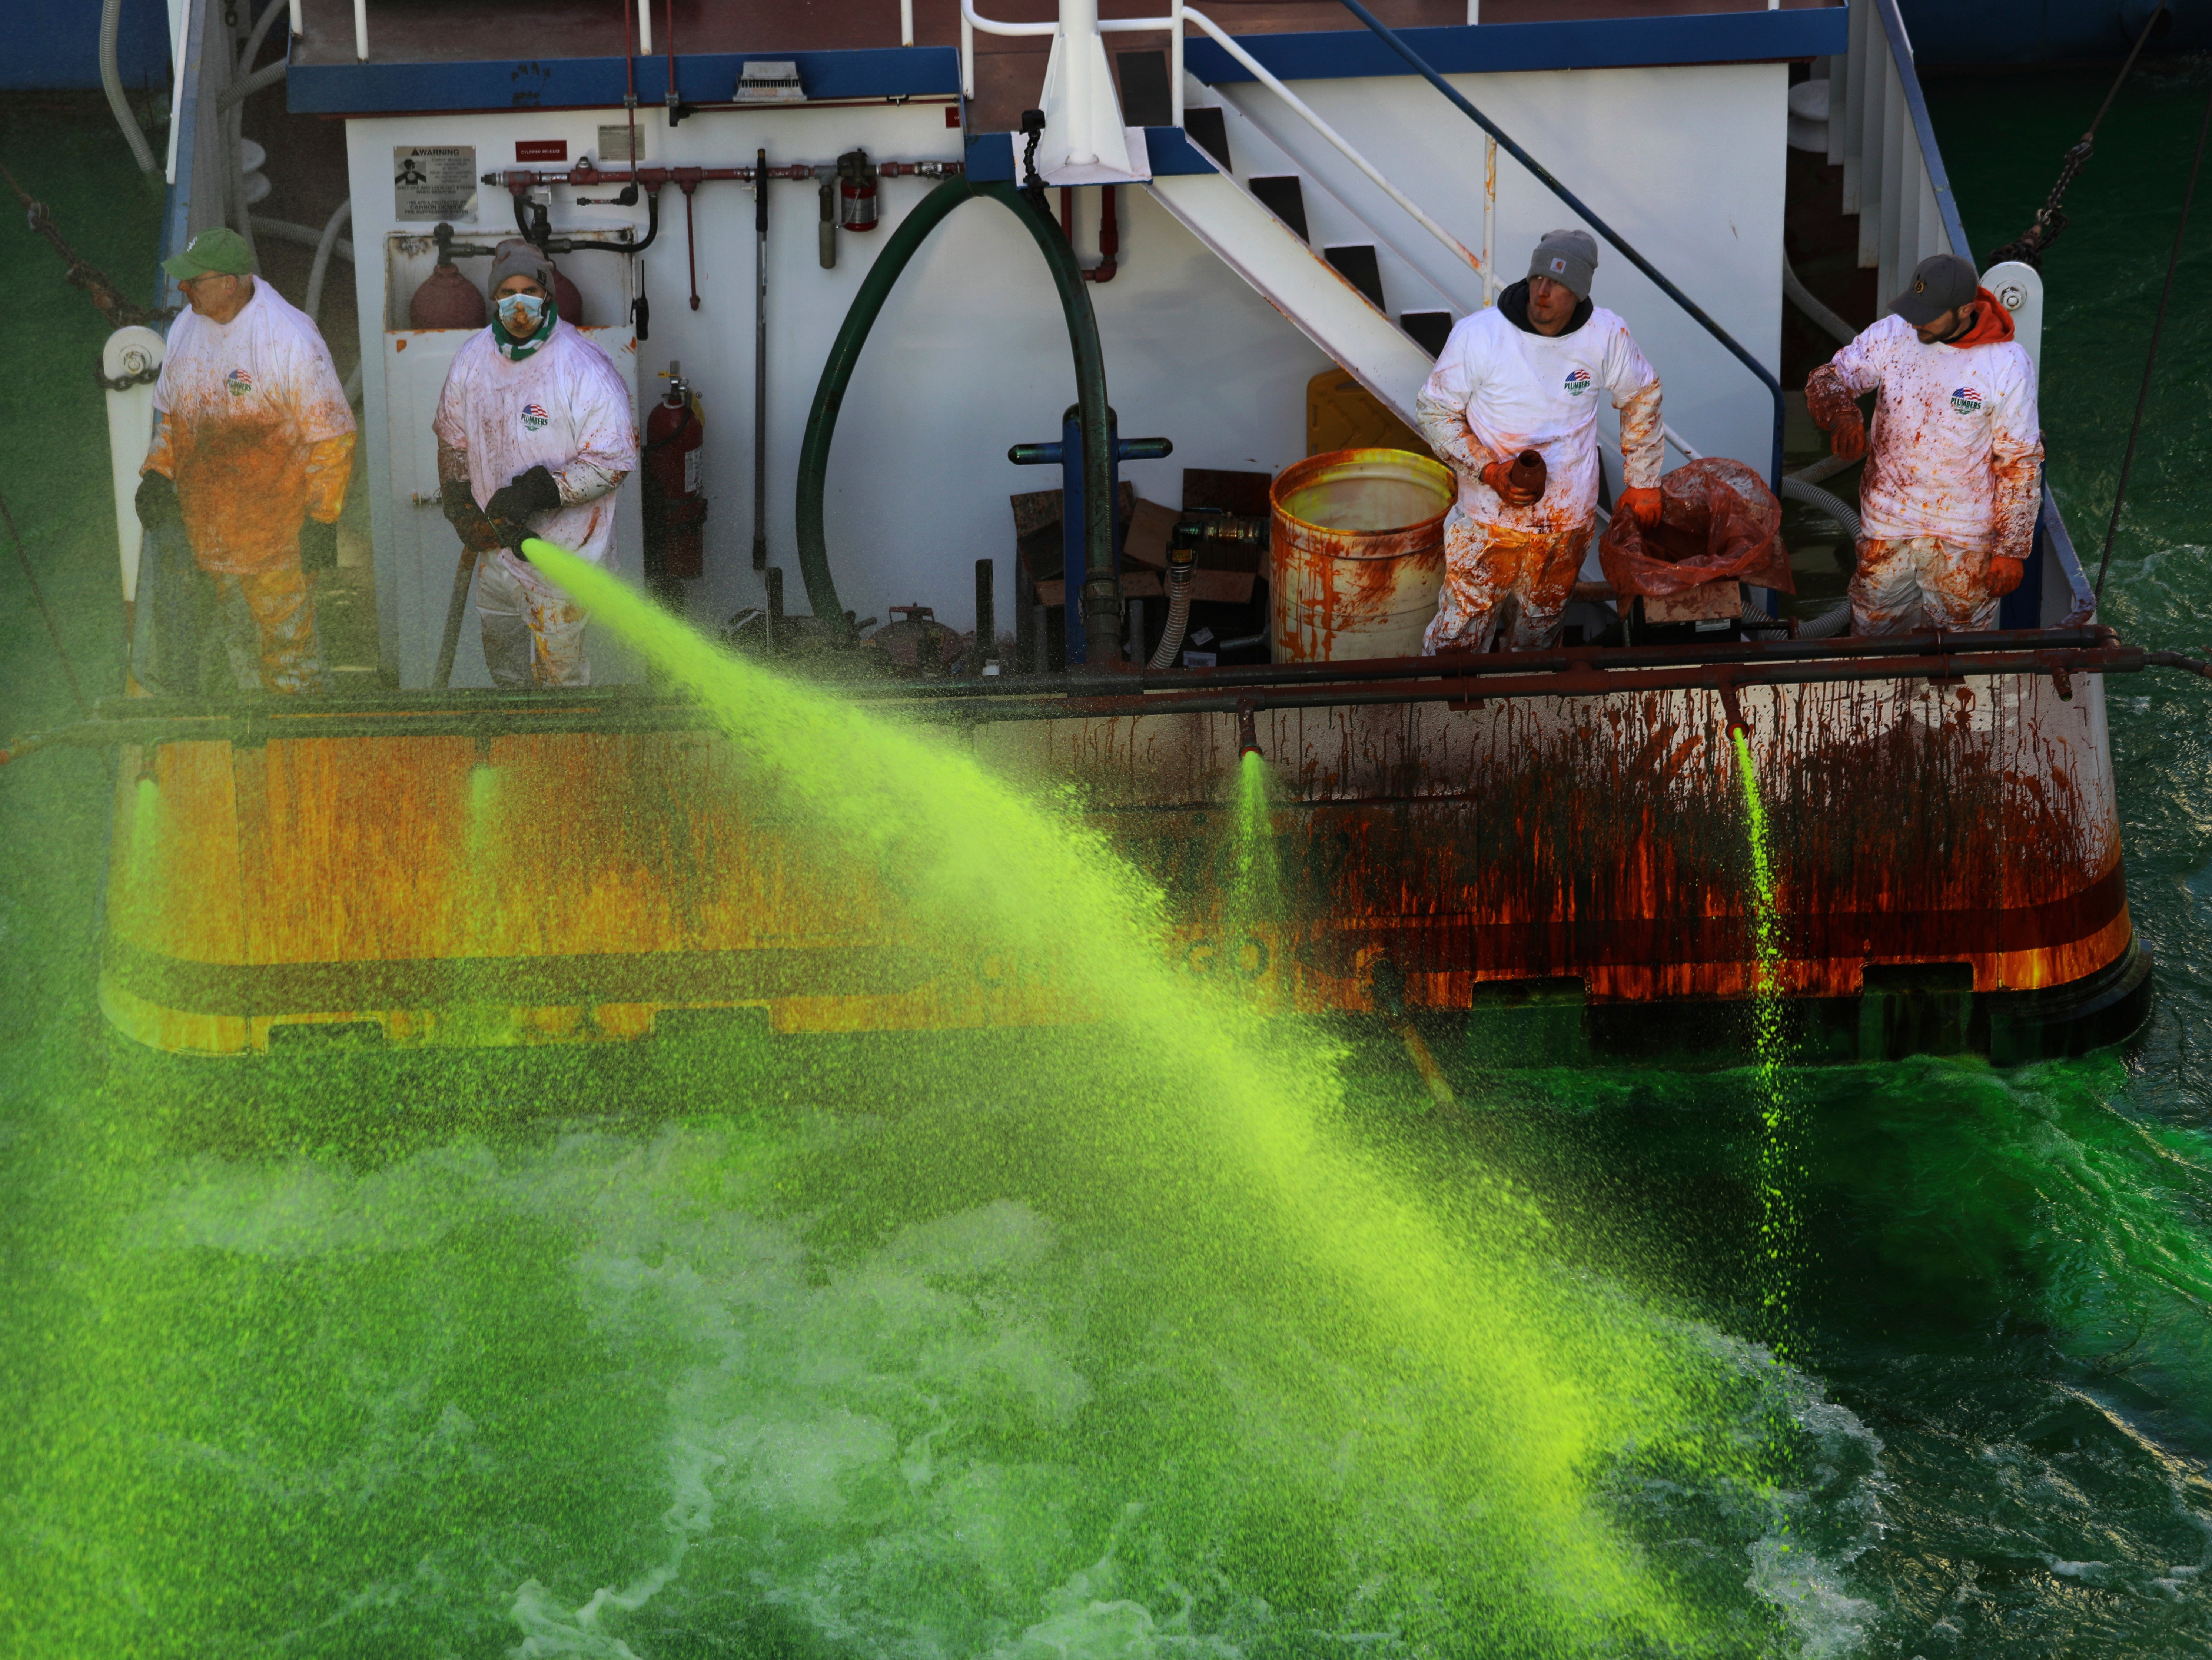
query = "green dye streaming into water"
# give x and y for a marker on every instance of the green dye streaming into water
(1480, 1405)
(1780, 1156)
(1252, 893)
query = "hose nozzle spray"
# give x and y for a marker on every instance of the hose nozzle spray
(1247, 734)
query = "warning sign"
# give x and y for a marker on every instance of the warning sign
(435, 181)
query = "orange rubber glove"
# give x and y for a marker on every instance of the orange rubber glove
(2005, 574)
(1498, 475)
(1849, 436)
(1641, 505)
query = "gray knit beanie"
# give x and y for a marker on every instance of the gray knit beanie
(1568, 257)
(516, 258)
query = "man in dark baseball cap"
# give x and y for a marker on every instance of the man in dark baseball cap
(1949, 502)
(1943, 285)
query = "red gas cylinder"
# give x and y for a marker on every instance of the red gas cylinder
(447, 299)
(568, 298)
(675, 507)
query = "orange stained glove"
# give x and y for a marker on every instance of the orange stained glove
(1642, 505)
(1498, 475)
(2005, 574)
(1848, 436)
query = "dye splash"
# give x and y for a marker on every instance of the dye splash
(1502, 1390)
(1779, 1158)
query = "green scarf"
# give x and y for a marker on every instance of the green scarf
(516, 350)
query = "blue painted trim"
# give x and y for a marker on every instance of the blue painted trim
(377, 89)
(991, 158)
(1735, 37)
(1171, 153)
(1900, 51)
(2050, 531)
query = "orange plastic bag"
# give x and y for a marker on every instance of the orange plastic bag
(1716, 520)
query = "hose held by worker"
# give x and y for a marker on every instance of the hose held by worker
(535, 432)
(1953, 466)
(1511, 405)
(251, 458)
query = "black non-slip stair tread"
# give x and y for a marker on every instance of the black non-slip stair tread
(1145, 98)
(1357, 263)
(1208, 129)
(1284, 195)
(1428, 330)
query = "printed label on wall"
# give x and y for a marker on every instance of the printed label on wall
(434, 182)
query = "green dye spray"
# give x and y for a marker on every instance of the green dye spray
(1483, 1375)
(1779, 1155)
(1252, 893)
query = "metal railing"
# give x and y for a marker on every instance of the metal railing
(1879, 130)
(642, 45)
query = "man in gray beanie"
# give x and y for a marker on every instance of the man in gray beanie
(534, 433)
(1520, 376)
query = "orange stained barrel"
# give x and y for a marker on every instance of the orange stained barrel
(1356, 554)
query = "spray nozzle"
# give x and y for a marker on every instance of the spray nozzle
(1737, 725)
(1247, 734)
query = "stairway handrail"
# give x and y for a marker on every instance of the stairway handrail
(969, 17)
(1696, 312)
(1342, 145)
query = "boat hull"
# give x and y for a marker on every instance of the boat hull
(1570, 876)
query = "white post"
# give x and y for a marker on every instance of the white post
(360, 30)
(129, 353)
(1079, 27)
(1489, 219)
(645, 28)
(906, 22)
(967, 55)
(1475, 11)
(1175, 63)
(297, 28)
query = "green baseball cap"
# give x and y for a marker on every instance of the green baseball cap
(220, 249)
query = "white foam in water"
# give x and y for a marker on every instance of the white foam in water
(874, 1447)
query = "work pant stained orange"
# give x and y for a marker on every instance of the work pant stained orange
(267, 622)
(1913, 582)
(1483, 564)
(532, 636)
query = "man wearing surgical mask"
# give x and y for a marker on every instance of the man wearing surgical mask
(535, 432)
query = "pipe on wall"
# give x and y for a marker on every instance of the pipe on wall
(1102, 605)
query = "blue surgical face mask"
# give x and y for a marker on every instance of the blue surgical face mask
(520, 315)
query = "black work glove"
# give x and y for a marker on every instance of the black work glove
(531, 492)
(157, 501)
(477, 533)
(319, 545)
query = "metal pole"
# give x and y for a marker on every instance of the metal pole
(760, 363)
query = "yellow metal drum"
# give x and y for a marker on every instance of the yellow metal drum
(1356, 554)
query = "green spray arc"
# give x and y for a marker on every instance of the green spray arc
(1531, 1387)
(1102, 605)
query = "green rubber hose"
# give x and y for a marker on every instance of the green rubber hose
(1102, 600)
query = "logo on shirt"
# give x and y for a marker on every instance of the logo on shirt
(1967, 400)
(1578, 382)
(239, 381)
(533, 416)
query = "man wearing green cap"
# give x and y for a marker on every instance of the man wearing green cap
(252, 457)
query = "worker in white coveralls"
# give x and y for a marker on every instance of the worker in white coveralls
(252, 457)
(1948, 504)
(535, 431)
(1526, 374)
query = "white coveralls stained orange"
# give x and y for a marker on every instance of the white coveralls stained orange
(256, 436)
(1952, 472)
(1499, 387)
(563, 407)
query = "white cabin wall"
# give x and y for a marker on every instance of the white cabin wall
(1687, 163)
(971, 355)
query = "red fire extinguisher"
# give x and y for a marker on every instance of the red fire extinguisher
(675, 509)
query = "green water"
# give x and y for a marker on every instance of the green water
(1209, 1341)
